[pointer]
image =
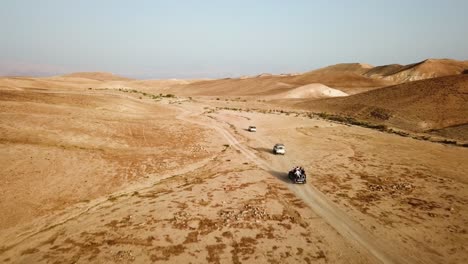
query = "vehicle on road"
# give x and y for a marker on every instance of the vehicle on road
(297, 175)
(252, 129)
(279, 149)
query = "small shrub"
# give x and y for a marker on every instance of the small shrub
(448, 141)
(380, 113)
(422, 137)
(352, 121)
(397, 132)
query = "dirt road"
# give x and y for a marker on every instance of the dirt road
(342, 223)
(370, 197)
(406, 193)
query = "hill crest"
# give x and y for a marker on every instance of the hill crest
(99, 76)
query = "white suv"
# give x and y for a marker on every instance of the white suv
(279, 149)
(252, 129)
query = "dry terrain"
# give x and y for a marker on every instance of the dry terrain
(426, 105)
(102, 169)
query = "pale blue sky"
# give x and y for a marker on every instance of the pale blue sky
(208, 38)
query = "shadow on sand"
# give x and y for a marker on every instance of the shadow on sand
(264, 150)
(282, 176)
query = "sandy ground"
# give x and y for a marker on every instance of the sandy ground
(58, 149)
(103, 176)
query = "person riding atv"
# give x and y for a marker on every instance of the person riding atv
(297, 175)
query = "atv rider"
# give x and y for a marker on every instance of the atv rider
(298, 172)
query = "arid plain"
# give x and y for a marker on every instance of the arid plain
(97, 168)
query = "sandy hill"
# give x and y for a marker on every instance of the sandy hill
(162, 83)
(264, 85)
(351, 74)
(382, 71)
(85, 81)
(350, 78)
(99, 76)
(426, 69)
(21, 83)
(419, 106)
(311, 91)
(358, 68)
(345, 77)
(350, 82)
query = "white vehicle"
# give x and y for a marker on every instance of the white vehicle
(252, 129)
(279, 149)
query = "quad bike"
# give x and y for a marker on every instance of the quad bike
(297, 175)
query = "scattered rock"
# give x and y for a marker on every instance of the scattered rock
(248, 212)
(124, 255)
(394, 188)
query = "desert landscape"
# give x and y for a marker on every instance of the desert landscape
(98, 168)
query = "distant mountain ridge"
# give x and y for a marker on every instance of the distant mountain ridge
(430, 68)
(99, 76)
(350, 78)
(397, 73)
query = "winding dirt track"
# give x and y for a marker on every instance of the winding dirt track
(316, 200)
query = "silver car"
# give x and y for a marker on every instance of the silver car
(279, 149)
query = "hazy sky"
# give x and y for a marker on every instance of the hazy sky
(216, 38)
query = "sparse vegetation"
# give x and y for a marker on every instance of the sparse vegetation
(151, 96)
(398, 132)
(448, 141)
(353, 121)
(380, 113)
(384, 128)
